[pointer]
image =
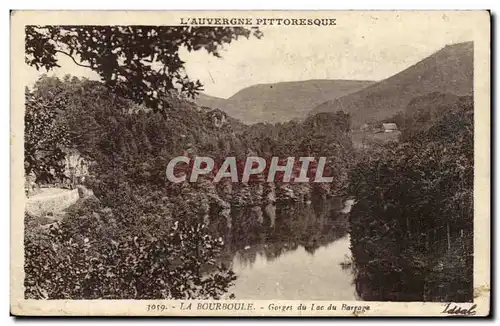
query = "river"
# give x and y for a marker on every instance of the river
(290, 252)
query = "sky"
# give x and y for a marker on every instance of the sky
(365, 47)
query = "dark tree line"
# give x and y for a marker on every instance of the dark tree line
(103, 248)
(128, 147)
(412, 225)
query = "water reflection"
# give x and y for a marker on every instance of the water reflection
(291, 251)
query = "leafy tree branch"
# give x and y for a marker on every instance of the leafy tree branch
(141, 63)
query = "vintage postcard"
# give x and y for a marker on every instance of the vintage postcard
(250, 163)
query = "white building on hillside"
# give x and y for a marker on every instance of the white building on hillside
(389, 127)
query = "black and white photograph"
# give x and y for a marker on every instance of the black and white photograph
(251, 163)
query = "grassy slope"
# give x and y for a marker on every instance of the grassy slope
(281, 102)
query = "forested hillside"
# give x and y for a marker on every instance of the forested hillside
(450, 70)
(413, 199)
(137, 235)
(412, 225)
(129, 148)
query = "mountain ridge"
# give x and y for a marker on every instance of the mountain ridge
(282, 101)
(448, 70)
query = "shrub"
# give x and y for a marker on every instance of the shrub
(87, 257)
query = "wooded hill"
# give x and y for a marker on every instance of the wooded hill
(450, 70)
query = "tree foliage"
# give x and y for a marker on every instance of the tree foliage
(130, 145)
(414, 209)
(141, 63)
(131, 247)
(91, 256)
(45, 137)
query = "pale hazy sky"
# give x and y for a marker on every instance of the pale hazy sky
(369, 47)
